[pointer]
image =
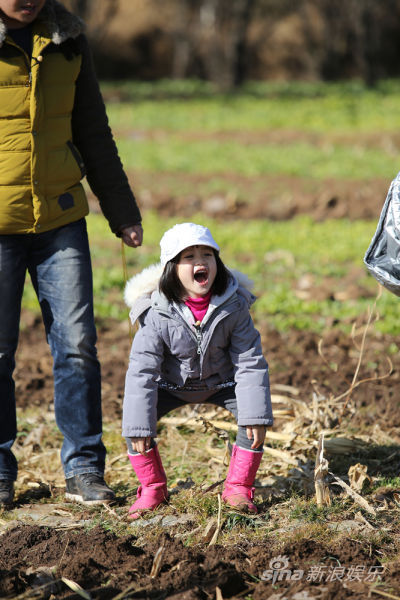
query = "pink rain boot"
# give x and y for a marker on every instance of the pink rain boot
(153, 489)
(238, 491)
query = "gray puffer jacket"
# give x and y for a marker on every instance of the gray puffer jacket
(169, 349)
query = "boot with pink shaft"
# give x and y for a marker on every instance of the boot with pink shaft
(153, 489)
(238, 491)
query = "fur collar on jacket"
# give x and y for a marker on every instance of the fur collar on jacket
(145, 283)
(60, 22)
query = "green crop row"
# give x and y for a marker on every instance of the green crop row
(212, 157)
(303, 130)
(322, 107)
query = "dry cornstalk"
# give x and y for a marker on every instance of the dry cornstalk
(343, 445)
(281, 387)
(210, 530)
(358, 476)
(283, 456)
(302, 406)
(222, 425)
(75, 587)
(321, 470)
(385, 594)
(196, 422)
(219, 523)
(283, 413)
(361, 519)
(209, 426)
(218, 594)
(155, 569)
(356, 497)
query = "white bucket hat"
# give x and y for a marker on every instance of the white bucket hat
(182, 236)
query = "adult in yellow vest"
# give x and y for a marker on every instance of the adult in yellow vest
(54, 131)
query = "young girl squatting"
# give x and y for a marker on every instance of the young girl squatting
(196, 344)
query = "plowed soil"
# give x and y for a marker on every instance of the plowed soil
(107, 565)
(272, 197)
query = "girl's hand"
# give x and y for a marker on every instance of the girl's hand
(257, 433)
(141, 444)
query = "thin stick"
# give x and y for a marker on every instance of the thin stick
(366, 380)
(125, 274)
(370, 313)
(62, 557)
(385, 594)
(130, 588)
(112, 512)
(354, 384)
(219, 511)
(361, 353)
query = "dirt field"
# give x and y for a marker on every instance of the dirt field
(101, 559)
(301, 566)
(269, 197)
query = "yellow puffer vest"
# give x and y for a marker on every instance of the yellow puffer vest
(40, 168)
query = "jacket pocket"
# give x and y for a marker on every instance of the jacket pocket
(76, 154)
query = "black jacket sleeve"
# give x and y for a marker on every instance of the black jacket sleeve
(92, 136)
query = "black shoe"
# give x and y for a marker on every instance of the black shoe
(6, 492)
(88, 488)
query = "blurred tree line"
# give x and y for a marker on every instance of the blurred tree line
(231, 41)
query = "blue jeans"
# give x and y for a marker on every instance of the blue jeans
(59, 264)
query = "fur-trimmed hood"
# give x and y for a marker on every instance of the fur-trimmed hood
(140, 288)
(60, 23)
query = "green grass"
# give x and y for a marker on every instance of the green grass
(171, 154)
(308, 510)
(158, 127)
(393, 482)
(312, 107)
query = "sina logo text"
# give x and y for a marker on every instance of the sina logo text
(279, 571)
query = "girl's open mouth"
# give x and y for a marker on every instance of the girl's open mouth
(28, 10)
(28, 7)
(201, 276)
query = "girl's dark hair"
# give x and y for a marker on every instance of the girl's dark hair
(170, 284)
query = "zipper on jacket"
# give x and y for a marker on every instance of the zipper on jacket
(199, 335)
(198, 329)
